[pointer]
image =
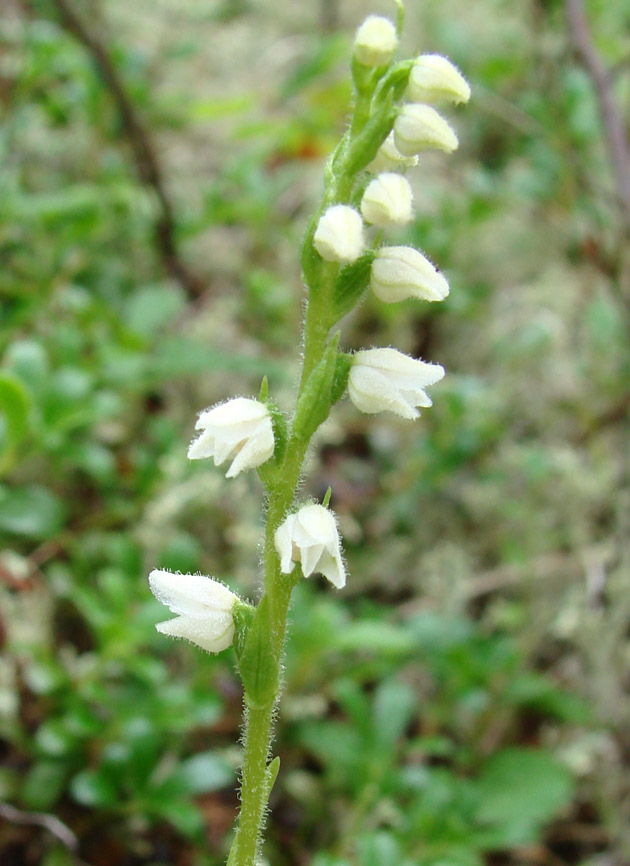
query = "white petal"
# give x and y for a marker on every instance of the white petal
(339, 234)
(433, 77)
(257, 449)
(309, 557)
(371, 392)
(213, 632)
(315, 525)
(191, 593)
(403, 272)
(283, 541)
(331, 566)
(202, 446)
(237, 411)
(399, 368)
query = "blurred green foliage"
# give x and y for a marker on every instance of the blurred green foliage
(465, 699)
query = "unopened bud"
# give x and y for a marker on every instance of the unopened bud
(434, 78)
(420, 127)
(339, 234)
(399, 273)
(389, 157)
(387, 200)
(375, 42)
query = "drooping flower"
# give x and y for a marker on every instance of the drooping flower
(420, 127)
(388, 157)
(376, 41)
(387, 200)
(203, 608)
(385, 379)
(239, 430)
(339, 234)
(434, 78)
(310, 537)
(403, 272)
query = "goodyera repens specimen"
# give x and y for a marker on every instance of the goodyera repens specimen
(366, 195)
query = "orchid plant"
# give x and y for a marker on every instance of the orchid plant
(365, 193)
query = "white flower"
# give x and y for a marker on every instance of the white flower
(375, 42)
(310, 537)
(339, 234)
(402, 272)
(239, 430)
(387, 200)
(420, 127)
(388, 157)
(382, 379)
(433, 78)
(203, 607)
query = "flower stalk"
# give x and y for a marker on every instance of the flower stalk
(341, 258)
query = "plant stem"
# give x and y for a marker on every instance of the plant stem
(256, 781)
(255, 789)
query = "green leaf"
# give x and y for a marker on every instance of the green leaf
(394, 706)
(257, 663)
(207, 771)
(43, 785)
(93, 788)
(351, 283)
(153, 307)
(14, 406)
(30, 511)
(520, 789)
(271, 775)
(314, 404)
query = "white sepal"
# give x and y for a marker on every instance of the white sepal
(385, 379)
(388, 157)
(387, 200)
(203, 607)
(310, 537)
(240, 430)
(339, 234)
(420, 127)
(376, 41)
(434, 78)
(399, 273)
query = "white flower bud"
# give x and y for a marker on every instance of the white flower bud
(339, 234)
(388, 157)
(434, 78)
(402, 272)
(375, 42)
(240, 430)
(310, 537)
(387, 200)
(203, 607)
(420, 127)
(385, 379)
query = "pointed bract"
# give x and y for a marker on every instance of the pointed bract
(310, 537)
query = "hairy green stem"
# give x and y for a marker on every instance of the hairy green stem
(256, 780)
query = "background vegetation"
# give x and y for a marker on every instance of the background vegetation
(465, 700)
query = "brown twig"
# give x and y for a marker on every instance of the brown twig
(616, 137)
(146, 162)
(40, 819)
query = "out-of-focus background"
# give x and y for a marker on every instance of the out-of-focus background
(465, 700)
